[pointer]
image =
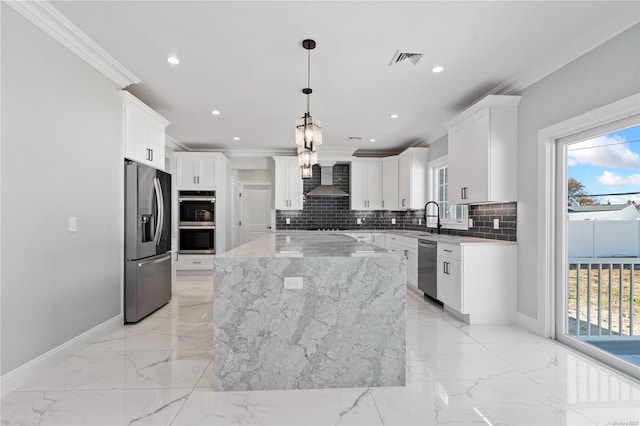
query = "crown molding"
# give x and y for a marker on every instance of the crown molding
(52, 22)
(174, 144)
(604, 29)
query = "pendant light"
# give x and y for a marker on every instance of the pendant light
(308, 129)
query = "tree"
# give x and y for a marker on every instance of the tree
(577, 194)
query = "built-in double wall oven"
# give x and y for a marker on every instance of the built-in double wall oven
(197, 224)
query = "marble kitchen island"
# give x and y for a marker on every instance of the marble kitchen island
(344, 328)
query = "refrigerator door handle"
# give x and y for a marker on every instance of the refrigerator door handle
(160, 207)
(154, 261)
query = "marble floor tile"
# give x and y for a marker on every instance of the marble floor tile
(154, 335)
(517, 401)
(124, 370)
(452, 362)
(509, 333)
(435, 332)
(154, 407)
(281, 408)
(159, 372)
(601, 396)
(545, 358)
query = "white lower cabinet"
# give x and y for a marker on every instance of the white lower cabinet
(194, 262)
(407, 247)
(478, 281)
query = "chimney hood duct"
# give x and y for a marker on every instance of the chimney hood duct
(326, 188)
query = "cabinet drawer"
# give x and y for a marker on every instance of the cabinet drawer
(453, 251)
(194, 262)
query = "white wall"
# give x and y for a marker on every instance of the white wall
(608, 73)
(61, 156)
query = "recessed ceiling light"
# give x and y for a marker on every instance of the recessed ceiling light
(173, 60)
(215, 112)
(437, 69)
(236, 138)
(372, 140)
(394, 116)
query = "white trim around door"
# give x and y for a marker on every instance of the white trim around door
(548, 226)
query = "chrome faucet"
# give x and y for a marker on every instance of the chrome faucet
(439, 225)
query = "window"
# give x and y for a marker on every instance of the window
(451, 216)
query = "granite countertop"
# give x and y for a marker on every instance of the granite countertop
(420, 235)
(444, 238)
(306, 244)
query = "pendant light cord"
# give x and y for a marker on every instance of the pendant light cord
(308, 78)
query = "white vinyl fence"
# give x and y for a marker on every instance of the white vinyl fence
(604, 238)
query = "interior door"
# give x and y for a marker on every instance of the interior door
(256, 208)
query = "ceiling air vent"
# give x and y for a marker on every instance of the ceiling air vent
(404, 59)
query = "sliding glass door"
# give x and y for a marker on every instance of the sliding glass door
(597, 294)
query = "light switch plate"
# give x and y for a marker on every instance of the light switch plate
(496, 223)
(293, 283)
(73, 224)
(288, 221)
(359, 221)
(393, 220)
(470, 222)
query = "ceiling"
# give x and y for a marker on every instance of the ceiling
(246, 60)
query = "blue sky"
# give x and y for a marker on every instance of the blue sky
(608, 164)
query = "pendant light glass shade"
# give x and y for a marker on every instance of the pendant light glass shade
(306, 172)
(307, 158)
(308, 132)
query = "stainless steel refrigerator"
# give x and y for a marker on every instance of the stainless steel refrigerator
(147, 283)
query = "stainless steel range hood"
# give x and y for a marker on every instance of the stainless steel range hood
(326, 188)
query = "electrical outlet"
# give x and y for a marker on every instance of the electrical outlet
(470, 222)
(359, 221)
(496, 223)
(73, 224)
(293, 283)
(393, 220)
(288, 221)
(419, 221)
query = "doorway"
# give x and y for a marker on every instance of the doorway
(590, 241)
(251, 208)
(256, 211)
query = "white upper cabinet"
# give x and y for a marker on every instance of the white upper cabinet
(144, 137)
(483, 152)
(390, 183)
(366, 184)
(198, 170)
(412, 178)
(288, 184)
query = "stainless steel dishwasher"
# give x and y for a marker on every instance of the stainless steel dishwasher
(428, 268)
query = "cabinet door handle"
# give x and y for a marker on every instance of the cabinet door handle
(196, 262)
(149, 157)
(194, 179)
(198, 180)
(403, 202)
(406, 254)
(448, 251)
(383, 203)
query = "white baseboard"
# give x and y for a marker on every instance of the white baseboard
(530, 324)
(21, 375)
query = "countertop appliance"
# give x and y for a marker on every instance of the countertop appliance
(147, 282)
(428, 268)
